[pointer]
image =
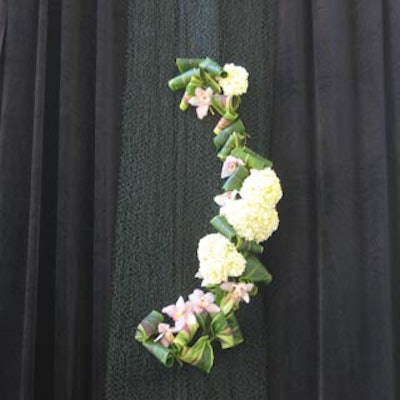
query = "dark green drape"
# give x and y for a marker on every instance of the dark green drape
(169, 174)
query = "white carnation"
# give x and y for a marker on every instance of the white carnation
(236, 81)
(262, 186)
(251, 221)
(218, 259)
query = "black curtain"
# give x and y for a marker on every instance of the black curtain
(323, 103)
(61, 84)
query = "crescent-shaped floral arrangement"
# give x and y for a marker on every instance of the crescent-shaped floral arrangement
(229, 264)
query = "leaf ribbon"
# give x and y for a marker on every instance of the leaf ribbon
(226, 330)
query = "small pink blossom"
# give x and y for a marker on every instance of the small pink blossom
(223, 199)
(229, 166)
(181, 313)
(201, 100)
(238, 291)
(203, 302)
(166, 334)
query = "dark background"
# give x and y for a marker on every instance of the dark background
(323, 103)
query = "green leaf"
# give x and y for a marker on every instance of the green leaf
(226, 330)
(222, 137)
(221, 225)
(248, 247)
(235, 181)
(184, 337)
(251, 158)
(149, 326)
(235, 139)
(163, 354)
(200, 355)
(212, 67)
(180, 81)
(184, 64)
(255, 270)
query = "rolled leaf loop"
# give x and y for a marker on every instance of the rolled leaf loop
(149, 326)
(255, 271)
(251, 158)
(221, 138)
(227, 119)
(221, 225)
(212, 67)
(235, 139)
(184, 64)
(226, 330)
(200, 355)
(246, 246)
(163, 354)
(180, 81)
(184, 337)
(208, 81)
(235, 181)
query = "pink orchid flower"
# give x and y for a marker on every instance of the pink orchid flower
(229, 166)
(238, 291)
(201, 100)
(203, 302)
(181, 313)
(224, 198)
(166, 334)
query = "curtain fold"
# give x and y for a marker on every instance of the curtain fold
(336, 90)
(63, 69)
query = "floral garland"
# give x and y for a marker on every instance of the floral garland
(228, 259)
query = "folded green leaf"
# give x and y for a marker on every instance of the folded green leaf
(212, 67)
(246, 246)
(224, 135)
(184, 64)
(163, 354)
(226, 330)
(184, 337)
(200, 355)
(235, 181)
(251, 158)
(149, 326)
(235, 139)
(221, 225)
(255, 270)
(180, 81)
(208, 81)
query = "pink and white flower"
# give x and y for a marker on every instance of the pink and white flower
(201, 100)
(182, 313)
(224, 199)
(229, 166)
(203, 302)
(238, 291)
(166, 334)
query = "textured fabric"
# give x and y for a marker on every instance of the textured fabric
(61, 79)
(169, 174)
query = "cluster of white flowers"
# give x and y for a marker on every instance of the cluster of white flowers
(254, 216)
(218, 260)
(262, 186)
(251, 221)
(236, 81)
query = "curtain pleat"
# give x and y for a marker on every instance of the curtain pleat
(63, 70)
(336, 90)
